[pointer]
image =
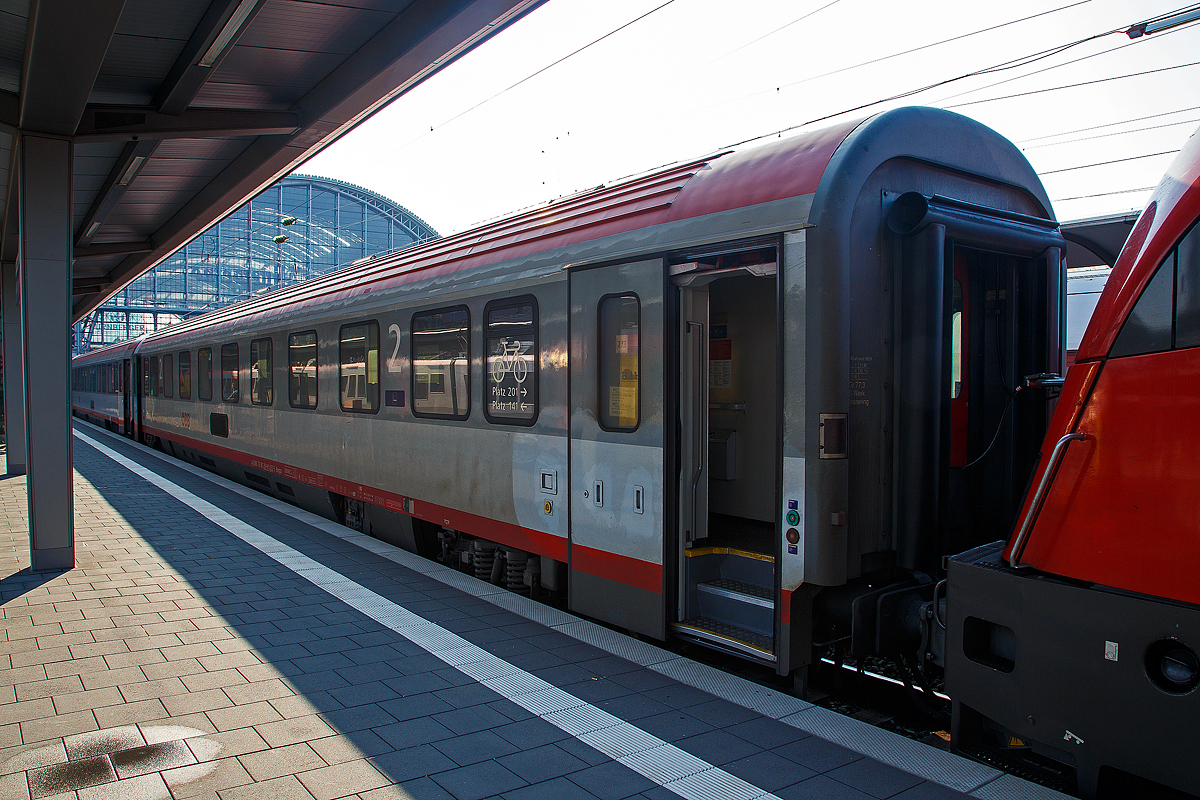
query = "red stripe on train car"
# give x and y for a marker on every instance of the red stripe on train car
(616, 567)
(505, 533)
(91, 412)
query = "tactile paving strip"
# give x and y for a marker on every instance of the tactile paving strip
(662, 763)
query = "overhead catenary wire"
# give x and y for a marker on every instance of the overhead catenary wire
(1106, 163)
(1110, 51)
(1046, 89)
(1104, 194)
(906, 52)
(785, 26)
(530, 77)
(637, 19)
(1002, 66)
(1111, 125)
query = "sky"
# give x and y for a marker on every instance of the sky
(580, 93)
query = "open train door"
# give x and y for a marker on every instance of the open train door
(616, 508)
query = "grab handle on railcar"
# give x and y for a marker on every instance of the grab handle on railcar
(701, 410)
(1018, 545)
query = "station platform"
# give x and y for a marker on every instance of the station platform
(213, 642)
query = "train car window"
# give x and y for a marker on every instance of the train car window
(510, 340)
(358, 367)
(185, 375)
(261, 393)
(441, 359)
(155, 377)
(302, 370)
(1187, 290)
(145, 377)
(1148, 329)
(620, 362)
(204, 373)
(229, 372)
(168, 376)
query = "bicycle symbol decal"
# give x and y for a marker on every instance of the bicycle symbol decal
(509, 360)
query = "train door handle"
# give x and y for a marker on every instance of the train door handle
(597, 494)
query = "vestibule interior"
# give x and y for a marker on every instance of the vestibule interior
(742, 421)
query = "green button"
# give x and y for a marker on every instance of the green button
(793, 518)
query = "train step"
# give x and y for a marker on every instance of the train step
(727, 637)
(738, 603)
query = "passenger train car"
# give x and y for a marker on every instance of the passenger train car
(1078, 638)
(731, 400)
(753, 401)
(102, 386)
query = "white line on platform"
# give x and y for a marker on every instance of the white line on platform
(664, 763)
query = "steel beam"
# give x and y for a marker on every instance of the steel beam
(121, 123)
(64, 50)
(187, 76)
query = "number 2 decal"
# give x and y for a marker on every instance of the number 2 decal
(393, 363)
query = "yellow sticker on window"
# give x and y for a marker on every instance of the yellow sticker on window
(622, 404)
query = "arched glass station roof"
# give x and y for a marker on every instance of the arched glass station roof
(301, 227)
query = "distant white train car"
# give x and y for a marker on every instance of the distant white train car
(1083, 290)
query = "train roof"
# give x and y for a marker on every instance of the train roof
(782, 170)
(109, 352)
(1172, 209)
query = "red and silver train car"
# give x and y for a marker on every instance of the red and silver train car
(750, 401)
(1078, 639)
(100, 380)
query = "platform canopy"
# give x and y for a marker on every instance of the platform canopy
(181, 110)
(130, 126)
(1096, 242)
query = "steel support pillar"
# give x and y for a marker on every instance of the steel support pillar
(14, 371)
(45, 289)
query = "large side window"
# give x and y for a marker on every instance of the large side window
(1167, 315)
(260, 373)
(185, 375)
(204, 373)
(510, 340)
(441, 357)
(302, 370)
(620, 362)
(168, 375)
(1187, 290)
(358, 367)
(229, 372)
(1148, 328)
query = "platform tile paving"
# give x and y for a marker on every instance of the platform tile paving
(177, 661)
